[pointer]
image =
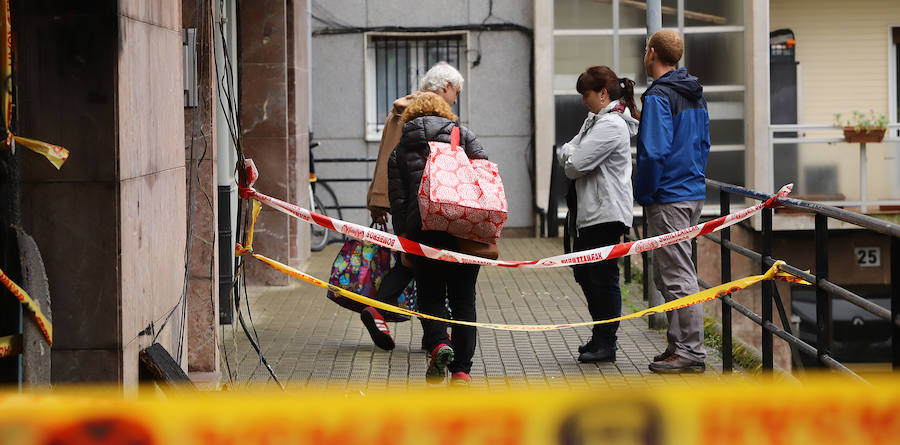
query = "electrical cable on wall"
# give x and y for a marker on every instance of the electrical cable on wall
(335, 27)
(231, 109)
(194, 175)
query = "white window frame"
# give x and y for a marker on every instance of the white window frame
(638, 90)
(372, 129)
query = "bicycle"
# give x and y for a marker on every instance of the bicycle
(320, 236)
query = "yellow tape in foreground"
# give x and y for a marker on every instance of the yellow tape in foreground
(732, 411)
(24, 298)
(715, 292)
(10, 345)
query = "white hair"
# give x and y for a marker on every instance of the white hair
(437, 78)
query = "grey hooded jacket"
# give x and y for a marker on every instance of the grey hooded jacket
(598, 158)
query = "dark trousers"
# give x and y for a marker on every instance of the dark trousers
(392, 285)
(438, 282)
(600, 281)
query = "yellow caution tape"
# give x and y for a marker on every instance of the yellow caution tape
(736, 410)
(10, 345)
(24, 298)
(54, 153)
(705, 295)
(257, 206)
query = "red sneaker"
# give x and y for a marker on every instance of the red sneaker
(460, 380)
(441, 356)
(377, 328)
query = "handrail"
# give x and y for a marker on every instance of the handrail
(800, 137)
(865, 221)
(828, 286)
(795, 127)
(788, 337)
(825, 289)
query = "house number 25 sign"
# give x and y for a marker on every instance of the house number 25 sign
(867, 256)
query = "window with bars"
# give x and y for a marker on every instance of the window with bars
(397, 64)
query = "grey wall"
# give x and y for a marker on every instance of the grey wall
(498, 90)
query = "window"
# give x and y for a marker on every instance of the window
(613, 33)
(396, 64)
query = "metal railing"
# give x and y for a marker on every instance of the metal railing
(891, 136)
(335, 204)
(825, 289)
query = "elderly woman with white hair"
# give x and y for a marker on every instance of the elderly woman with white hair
(445, 81)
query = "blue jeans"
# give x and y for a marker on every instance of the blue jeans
(600, 281)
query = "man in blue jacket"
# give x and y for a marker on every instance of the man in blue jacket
(673, 145)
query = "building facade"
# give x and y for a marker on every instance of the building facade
(842, 58)
(366, 56)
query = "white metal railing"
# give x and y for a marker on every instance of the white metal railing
(863, 203)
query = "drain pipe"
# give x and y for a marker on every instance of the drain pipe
(226, 158)
(656, 321)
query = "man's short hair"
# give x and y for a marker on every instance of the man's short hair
(439, 75)
(668, 45)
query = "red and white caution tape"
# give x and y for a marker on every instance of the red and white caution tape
(774, 273)
(397, 243)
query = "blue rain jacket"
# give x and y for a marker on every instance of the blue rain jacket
(673, 141)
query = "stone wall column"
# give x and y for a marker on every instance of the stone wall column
(264, 122)
(111, 224)
(200, 161)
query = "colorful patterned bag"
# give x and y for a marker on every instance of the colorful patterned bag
(359, 268)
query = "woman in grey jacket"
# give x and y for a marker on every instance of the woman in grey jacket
(598, 158)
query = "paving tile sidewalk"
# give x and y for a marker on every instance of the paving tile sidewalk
(310, 341)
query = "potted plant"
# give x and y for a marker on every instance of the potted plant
(863, 127)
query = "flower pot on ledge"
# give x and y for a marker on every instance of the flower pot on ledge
(851, 134)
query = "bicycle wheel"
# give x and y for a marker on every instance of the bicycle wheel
(326, 196)
(318, 235)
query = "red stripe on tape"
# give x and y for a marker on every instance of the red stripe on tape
(620, 250)
(518, 263)
(711, 226)
(411, 246)
(321, 220)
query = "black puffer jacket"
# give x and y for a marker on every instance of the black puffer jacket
(407, 164)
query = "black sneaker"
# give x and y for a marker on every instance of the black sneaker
(377, 328)
(599, 356)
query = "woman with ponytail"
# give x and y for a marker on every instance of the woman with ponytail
(598, 158)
